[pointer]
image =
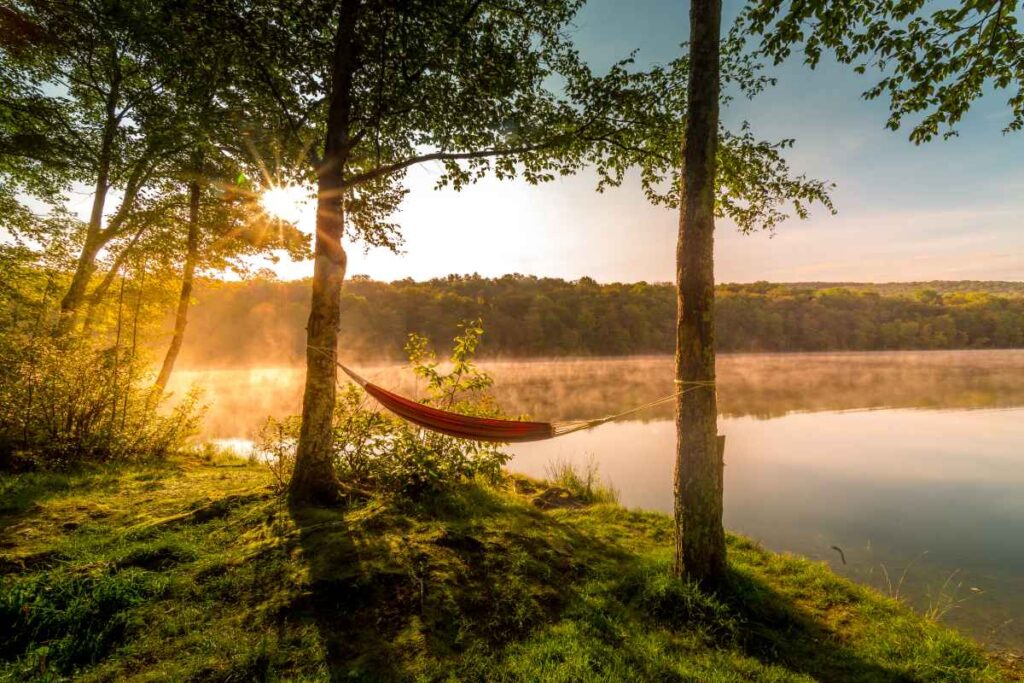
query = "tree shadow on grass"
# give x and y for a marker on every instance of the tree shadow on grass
(400, 590)
(342, 591)
(396, 591)
(776, 631)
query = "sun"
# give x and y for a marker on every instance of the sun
(286, 202)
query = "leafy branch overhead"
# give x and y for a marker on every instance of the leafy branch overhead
(477, 87)
(932, 62)
(132, 101)
(756, 187)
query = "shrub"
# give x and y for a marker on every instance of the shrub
(376, 450)
(274, 444)
(68, 401)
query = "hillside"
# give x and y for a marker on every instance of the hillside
(262, 322)
(195, 570)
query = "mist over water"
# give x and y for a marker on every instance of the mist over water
(762, 386)
(911, 462)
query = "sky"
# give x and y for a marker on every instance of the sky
(944, 210)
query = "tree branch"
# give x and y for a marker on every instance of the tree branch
(387, 169)
(101, 289)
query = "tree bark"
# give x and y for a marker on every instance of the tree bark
(73, 298)
(185, 297)
(86, 265)
(700, 536)
(97, 295)
(314, 479)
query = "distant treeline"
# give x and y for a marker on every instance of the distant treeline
(262, 321)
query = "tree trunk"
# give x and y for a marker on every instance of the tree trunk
(97, 295)
(94, 241)
(135, 341)
(314, 480)
(700, 537)
(181, 317)
(84, 269)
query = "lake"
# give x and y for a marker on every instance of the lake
(911, 463)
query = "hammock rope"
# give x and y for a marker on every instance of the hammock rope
(491, 429)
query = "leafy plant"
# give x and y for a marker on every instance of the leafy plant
(932, 60)
(274, 444)
(463, 381)
(378, 451)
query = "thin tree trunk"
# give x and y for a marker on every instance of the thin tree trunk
(97, 295)
(117, 353)
(135, 341)
(73, 298)
(700, 536)
(86, 265)
(314, 480)
(181, 318)
(34, 358)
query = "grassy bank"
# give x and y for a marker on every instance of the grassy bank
(195, 571)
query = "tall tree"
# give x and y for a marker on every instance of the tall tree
(716, 173)
(700, 535)
(223, 126)
(90, 83)
(314, 477)
(934, 59)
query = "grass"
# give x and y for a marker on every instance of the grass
(582, 483)
(195, 571)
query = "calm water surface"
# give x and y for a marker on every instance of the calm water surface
(912, 462)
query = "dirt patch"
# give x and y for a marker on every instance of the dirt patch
(1012, 664)
(14, 564)
(557, 497)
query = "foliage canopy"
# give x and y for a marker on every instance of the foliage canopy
(934, 61)
(488, 86)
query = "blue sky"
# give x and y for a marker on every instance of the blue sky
(945, 210)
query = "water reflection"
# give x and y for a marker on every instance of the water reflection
(811, 460)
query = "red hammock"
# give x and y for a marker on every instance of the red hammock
(484, 428)
(464, 426)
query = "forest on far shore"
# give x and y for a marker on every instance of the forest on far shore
(261, 322)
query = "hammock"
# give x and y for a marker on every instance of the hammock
(490, 429)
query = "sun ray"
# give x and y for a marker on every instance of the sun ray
(288, 203)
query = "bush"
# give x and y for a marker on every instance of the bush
(68, 401)
(275, 443)
(378, 451)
